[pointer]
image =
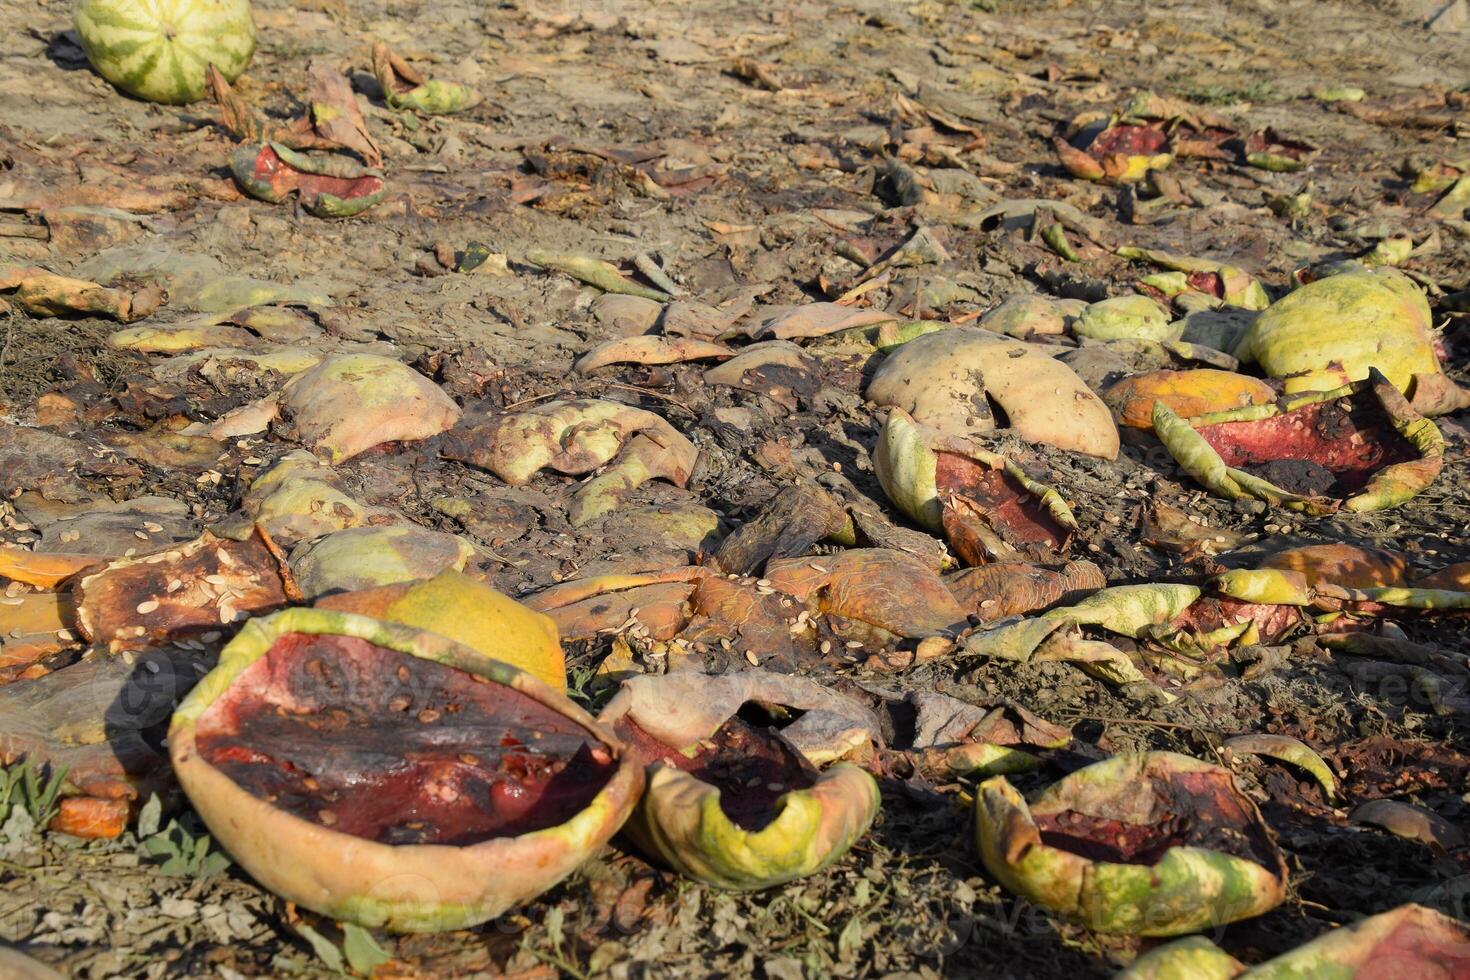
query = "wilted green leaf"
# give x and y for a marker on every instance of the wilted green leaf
(149, 816)
(363, 952)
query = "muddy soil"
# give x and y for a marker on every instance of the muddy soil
(780, 173)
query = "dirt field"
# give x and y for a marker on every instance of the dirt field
(749, 151)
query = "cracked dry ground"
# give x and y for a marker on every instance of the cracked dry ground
(748, 150)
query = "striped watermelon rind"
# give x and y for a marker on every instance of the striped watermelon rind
(158, 49)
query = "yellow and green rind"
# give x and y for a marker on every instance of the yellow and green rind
(680, 820)
(1186, 890)
(1190, 958)
(321, 204)
(907, 469)
(1127, 610)
(1336, 329)
(434, 97)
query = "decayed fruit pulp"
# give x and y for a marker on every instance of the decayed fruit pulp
(1325, 448)
(752, 767)
(1191, 809)
(982, 504)
(398, 749)
(284, 179)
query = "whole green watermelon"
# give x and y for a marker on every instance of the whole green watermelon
(158, 49)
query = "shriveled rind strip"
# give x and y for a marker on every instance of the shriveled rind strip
(1290, 750)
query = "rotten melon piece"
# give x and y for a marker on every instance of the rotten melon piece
(1150, 844)
(300, 498)
(349, 403)
(1124, 152)
(1276, 586)
(1409, 941)
(391, 777)
(1335, 329)
(967, 381)
(199, 587)
(327, 186)
(1223, 284)
(659, 601)
(1360, 447)
(1190, 958)
(576, 437)
(461, 608)
(735, 798)
(41, 569)
(1131, 317)
(100, 721)
(1347, 565)
(954, 738)
(372, 557)
(987, 507)
(1187, 393)
(995, 592)
(870, 594)
(1024, 315)
(404, 87)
